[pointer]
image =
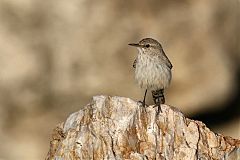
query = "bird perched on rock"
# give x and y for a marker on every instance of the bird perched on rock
(152, 69)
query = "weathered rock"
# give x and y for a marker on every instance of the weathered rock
(120, 128)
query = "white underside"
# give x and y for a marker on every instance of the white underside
(151, 73)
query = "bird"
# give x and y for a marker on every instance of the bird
(152, 69)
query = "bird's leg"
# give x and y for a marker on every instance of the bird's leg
(158, 98)
(144, 98)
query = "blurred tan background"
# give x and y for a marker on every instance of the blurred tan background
(57, 54)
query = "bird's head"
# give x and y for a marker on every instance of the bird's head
(147, 45)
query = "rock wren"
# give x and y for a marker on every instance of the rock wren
(152, 69)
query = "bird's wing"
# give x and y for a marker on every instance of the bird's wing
(134, 63)
(165, 58)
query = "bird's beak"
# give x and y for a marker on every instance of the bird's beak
(135, 44)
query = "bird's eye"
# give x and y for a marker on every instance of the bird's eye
(147, 45)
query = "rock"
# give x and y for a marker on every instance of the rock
(120, 128)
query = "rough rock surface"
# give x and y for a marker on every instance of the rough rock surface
(120, 128)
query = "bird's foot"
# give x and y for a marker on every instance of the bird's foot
(158, 101)
(158, 105)
(143, 104)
